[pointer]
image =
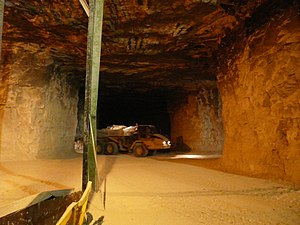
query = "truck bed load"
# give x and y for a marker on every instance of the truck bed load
(116, 131)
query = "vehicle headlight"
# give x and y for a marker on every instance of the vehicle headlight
(166, 143)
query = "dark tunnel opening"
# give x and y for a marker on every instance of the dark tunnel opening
(134, 108)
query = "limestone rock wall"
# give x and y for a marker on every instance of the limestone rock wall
(38, 107)
(260, 92)
(197, 119)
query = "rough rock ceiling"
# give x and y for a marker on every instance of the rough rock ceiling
(146, 43)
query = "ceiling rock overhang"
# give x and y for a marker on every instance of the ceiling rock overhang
(146, 44)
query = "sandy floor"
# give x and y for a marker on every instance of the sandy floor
(144, 191)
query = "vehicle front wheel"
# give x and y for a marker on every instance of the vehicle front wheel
(111, 148)
(140, 150)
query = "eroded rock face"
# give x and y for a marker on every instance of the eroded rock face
(261, 102)
(38, 106)
(198, 121)
(146, 44)
(55, 26)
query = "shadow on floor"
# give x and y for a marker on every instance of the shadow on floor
(180, 146)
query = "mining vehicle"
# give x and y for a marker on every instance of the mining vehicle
(141, 140)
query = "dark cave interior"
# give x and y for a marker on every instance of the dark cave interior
(131, 108)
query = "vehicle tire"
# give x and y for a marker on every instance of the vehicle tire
(99, 149)
(111, 148)
(140, 150)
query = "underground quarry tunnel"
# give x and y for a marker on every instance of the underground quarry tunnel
(222, 74)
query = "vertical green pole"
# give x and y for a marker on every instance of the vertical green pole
(91, 88)
(1, 23)
(97, 40)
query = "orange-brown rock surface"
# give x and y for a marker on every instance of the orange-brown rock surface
(260, 91)
(38, 106)
(196, 121)
(167, 44)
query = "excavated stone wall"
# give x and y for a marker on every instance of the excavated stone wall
(260, 91)
(197, 122)
(38, 107)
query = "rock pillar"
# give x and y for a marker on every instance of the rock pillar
(196, 120)
(38, 106)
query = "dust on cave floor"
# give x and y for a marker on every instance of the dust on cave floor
(150, 191)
